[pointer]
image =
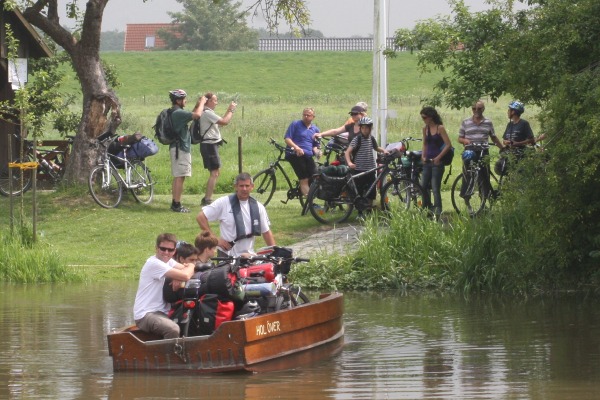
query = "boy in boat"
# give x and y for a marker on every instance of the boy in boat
(150, 308)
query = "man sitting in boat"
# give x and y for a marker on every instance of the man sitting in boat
(240, 217)
(150, 309)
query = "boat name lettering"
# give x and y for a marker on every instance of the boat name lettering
(269, 327)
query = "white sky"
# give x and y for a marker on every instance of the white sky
(335, 18)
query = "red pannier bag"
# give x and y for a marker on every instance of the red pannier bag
(213, 312)
(262, 273)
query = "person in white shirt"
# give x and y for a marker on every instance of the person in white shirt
(240, 217)
(150, 308)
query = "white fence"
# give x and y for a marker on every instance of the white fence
(321, 44)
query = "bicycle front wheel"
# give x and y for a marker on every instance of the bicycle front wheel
(328, 211)
(105, 187)
(402, 194)
(473, 200)
(291, 296)
(141, 182)
(18, 182)
(265, 183)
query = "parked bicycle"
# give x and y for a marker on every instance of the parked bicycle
(114, 174)
(48, 161)
(479, 191)
(332, 199)
(265, 182)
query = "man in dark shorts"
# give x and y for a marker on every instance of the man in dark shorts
(301, 147)
(209, 148)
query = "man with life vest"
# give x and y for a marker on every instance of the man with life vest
(240, 217)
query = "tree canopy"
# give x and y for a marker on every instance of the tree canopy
(210, 25)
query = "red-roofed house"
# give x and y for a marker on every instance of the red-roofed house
(141, 37)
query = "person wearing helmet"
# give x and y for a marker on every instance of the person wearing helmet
(518, 133)
(302, 146)
(180, 150)
(436, 144)
(360, 157)
(477, 130)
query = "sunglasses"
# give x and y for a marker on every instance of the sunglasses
(166, 249)
(477, 108)
(354, 113)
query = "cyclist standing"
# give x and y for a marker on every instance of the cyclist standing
(180, 150)
(518, 133)
(301, 146)
(477, 130)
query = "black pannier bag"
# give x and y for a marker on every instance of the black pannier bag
(331, 181)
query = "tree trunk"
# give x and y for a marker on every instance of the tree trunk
(101, 108)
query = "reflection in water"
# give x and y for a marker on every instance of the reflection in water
(397, 346)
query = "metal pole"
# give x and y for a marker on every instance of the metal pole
(240, 160)
(383, 106)
(375, 89)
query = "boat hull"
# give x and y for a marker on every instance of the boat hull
(278, 340)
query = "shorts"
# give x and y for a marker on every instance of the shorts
(210, 156)
(304, 167)
(181, 166)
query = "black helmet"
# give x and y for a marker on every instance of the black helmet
(249, 309)
(177, 94)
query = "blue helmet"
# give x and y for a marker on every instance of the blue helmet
(517, 106)
(468, 155)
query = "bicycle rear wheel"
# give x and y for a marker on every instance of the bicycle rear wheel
(105, 187)
(474, 200)
(402, 194)
(140, 177)
(265, 183)
(291, 296)
(20, 179)
(328, 211)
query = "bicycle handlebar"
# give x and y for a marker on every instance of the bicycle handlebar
(260, 258)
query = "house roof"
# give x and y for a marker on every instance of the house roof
(136, 34)
(37, 46)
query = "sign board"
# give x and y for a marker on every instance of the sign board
(17, 72)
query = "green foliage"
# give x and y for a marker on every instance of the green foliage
(209, 25)
(23, 261)
(112, 41)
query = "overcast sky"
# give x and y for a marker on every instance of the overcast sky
(335, 18)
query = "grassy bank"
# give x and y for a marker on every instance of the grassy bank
(271, 89)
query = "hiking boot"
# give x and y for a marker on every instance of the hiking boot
(180, 209)
(206, 202)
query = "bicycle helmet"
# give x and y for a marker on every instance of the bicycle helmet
(365, 121)
(517, 106)
(468, 155)
(177, 94)
(249, 309)
(501, 166)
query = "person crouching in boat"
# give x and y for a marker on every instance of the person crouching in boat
(150, 308)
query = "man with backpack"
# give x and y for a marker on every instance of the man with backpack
(180, 148)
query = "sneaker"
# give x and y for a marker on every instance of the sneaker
(180, 209)
(205, 202)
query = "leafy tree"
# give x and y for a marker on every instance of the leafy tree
(101, 107)
(308, 33)
(549, 55)
(112, 41)
(210, 25)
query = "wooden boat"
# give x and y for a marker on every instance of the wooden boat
(278, 340)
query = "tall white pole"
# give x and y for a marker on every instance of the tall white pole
(375, 90)
(379, 95)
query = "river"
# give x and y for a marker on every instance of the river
(397, 346)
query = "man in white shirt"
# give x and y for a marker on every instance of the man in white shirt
(150, 309)
(240, 217)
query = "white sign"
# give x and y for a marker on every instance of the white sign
(17, 72)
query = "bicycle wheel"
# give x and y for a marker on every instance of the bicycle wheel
(20, 179)
(291, 296)
(265, 183)
(140, 177)
(328, 211)
(402, 194)
(297, 296)
(473, 202)
(105, 188)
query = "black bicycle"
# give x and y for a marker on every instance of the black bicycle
(49, 161)
(481, 186)
(332, 199)
(265, 182)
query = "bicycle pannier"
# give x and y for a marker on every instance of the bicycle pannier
(447, 159)
(144, 148)
(330, 187)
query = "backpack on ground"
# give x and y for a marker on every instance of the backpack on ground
(163, 128)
